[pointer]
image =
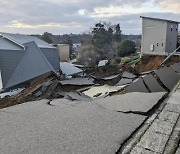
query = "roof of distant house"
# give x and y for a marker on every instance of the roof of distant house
(160, 19)
(102, 63)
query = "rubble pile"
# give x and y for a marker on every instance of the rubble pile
(87, 89)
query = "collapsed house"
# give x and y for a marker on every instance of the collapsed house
(24, 58)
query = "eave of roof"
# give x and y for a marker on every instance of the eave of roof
(160, 19)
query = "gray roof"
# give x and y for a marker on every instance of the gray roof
(22, 39)
(69, 69)
(160, 19)
(32, 64)
(9, 45)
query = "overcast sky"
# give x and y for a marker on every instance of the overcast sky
(78, 16)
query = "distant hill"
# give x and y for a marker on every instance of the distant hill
(82, 38)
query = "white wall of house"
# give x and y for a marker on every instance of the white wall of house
(154, 37)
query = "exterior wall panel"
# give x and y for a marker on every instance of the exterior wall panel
(172, 34)
(1, 84)
(52, 56)
(9, 60)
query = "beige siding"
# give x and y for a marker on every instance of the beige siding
(171, 41)
(154, 34)
(63, 51)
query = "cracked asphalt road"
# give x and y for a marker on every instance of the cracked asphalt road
(69, 127)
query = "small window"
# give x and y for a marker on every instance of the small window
(157, 44)
(162, 44)
(176, 28)
(151, 47)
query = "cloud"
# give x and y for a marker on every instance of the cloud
(75, 16)
(17, 24)
(172, 5)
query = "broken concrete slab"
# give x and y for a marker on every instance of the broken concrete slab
(175, 98)
(111, 80)
(62, 101)
(137, 86)
(131, 102)
(69, 69)
(162, 127)
(78, 81)
(124, 81)
(168, 77)
(153, 141)
(139, 150)
(128, 75)
(176, 67)
(111, 77)
(36, 127)
(101, 90)
(178, 150)
(77, 96)
(152, 83)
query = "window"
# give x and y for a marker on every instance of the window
(162, 44)
(176, 28)
(157, 44)
(151, 47)
(171, 27)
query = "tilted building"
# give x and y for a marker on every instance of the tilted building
(23, 58)
(159, 36)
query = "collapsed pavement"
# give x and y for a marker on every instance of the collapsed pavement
(67, 120)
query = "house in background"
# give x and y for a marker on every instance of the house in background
(25, 58)
(64, 52)
(159, 36)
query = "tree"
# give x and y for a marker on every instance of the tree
(88, 56)
(125, 48)
(69, 41)
(100, 36)
(46, 37)
(117, 35)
